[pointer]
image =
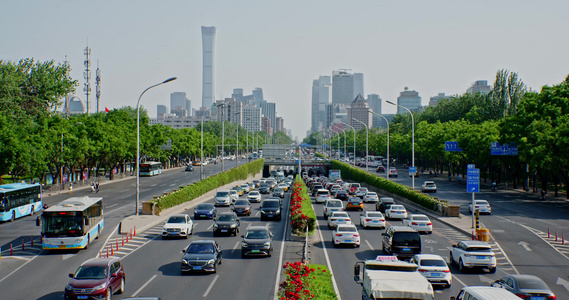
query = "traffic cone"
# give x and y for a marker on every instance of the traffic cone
(117, 245)
(122, 237)
(130, 231)
(134, 230)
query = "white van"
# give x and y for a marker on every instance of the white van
(484, 293)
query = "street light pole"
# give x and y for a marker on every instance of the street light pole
(367, 144)
(388, 159)
(345, 153)
(354, 141)
(201, 159)
(412, 137)
(138, 140)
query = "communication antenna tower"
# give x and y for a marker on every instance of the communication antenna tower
(87, 75)
(67, 97)
(98, 82)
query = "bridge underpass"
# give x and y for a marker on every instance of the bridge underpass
(290, 167)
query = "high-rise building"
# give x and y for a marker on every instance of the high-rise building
(479, 86)
(252, 118)
(374, 102)
(358, 85)
(320, 98)
(279, 124)
(268, 110)
(342, 87)
(408, 99)
(228, 110)
(258, 96)
(208, 45)
(266, 125)
(435, 99)
(359, 110)
(189, 107)
(161, 111)
(178, 102)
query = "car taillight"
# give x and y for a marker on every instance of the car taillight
(333, 219)
(422, 270)
(368, 220)
(523, 296)
(413, 223)
(356, 235)
(382, 220)
(446, 271)
(552, 297)
(429, 223)
(338, 234)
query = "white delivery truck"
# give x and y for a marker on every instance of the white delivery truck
(389, 278)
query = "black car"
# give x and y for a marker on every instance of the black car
(265, 188)
(270, 209)
(342, 195)
(205, 210)
(189, 168)
(279, 192)
(257, 242)
(226, 223)
(201, 256)
(401, 241)
(384, 203)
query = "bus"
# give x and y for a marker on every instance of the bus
(19, 199)
(150, 168)
(72, 224)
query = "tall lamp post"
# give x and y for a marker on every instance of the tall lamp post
(388, 159)
(345, 153)
(354, 140)
(138, 140)
(412, 137)
(367, 142)
(237, 148)
(201, 159)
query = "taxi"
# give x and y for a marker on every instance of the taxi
(355, 203)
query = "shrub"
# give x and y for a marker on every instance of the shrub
(301, 212)
(305, 281)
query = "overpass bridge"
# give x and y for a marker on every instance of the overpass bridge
(290, 166)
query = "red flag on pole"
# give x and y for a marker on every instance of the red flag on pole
(106, 109)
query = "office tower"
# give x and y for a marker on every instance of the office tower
(266, 125)
(228, 110)
(408, 99)
(237, 94)
(359, 110)
(435, 99)
(358, 85)
(342, 87)
(320, 98)
(279, 124)
(189, 107)
(161, 111)
(178, 101)
(258, 96)
(268, 110)
(374, 102)
(479, 86)
(208, 87)
(252, 118)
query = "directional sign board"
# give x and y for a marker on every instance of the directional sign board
(412, 171)
(506, 149)
(452, 147)
(472, 179)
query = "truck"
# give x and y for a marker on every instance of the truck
(386, 277)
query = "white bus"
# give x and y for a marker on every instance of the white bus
(72, 223)
(150, 168)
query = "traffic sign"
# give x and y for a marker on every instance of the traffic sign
(472, 180)
(452, 147)
(412, 171)
(506, 149)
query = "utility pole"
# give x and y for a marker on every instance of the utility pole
(98, 84)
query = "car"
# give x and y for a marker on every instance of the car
(484, 293)
(332, 205)
(226, 222)
(392, 172)
(96, 278)
(239, 189)
(353, 187)
(401, 241)
(371, 197)
(283, 186)
(279, 192)
(372, 219)
(384, 203)
(271, 209)
(419, 222)
(322, 195)
(429, 187)
(205, 210)
(361, 192)
(201, 256)
(223, 198)
(434, 268)
(254, 196)
(242, 207)
(473, 254)
(257, 183)
(234, 195)
(525, 286)
(251, 186)
(355, 203)
(196, 163)
(342, 195)
(337, 218)
(334, 188)
(380, 169)
(265, 188)
(180, 225)
(316, 187)
(346, 235)
(258, 241)
(246, 188)
(396, 211)
(189, 168)
(482, 206)
(271, 182)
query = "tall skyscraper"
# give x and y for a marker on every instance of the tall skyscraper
(258, 96)
(178, 101)
(358, 85)
(252, 118)
(208, 87)
(359, 110)
(160, 111)
(374, 102)
(268, 110)
(408, 99)
(320, 98)
(342, 87)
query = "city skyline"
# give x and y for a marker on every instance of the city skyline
(437, 47)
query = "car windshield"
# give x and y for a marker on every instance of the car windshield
(334, 204)
(254, 193)
(430, 184)
(271, 204)
(241, 202)
(371, 194)
(532, 284)
(482, 202)
(432, 263)
(397, 207)
(205, 206)
(91, 272)
(321, 193)
(374, 215)
(226, 218)
(278, 190)
(200, 248)
(222, 194)
(257, 234)
(347, 229)
(355, 200)
(363, 189)
(177, 219)
(478, 249)
(407, 237)
(340, 215)
(420, 218)
(264, 185)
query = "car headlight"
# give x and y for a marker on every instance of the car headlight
(215, 225)
(466, 255)
(211, 261)
(244, 244)
(100, 286)
(185, 262)
(69, 287)
(233, 225)
(267, 244)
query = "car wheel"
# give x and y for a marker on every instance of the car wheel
(357, 245)
(451, 259)
(109, 294)
(492, 270)
(269, 254)
(214, 268)
(121, 288)
(461, 266)
(242, 254)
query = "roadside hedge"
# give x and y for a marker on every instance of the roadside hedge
(351, 172)
(192, 191)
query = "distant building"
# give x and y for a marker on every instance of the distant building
(279, 124)
(208, 75)
(161, 111)
(179, 104)
(320, 98)
(202, 112)
(268, 109)
(228, 110)
(479, 86)
(73, 105)
(435, 99)
(374, 102)
(358, 85)
(342, 87)
(359, 110)
(252, 118)
(180, 122)
(408, 99)
(266, 125)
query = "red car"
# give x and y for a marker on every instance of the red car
(97, 278)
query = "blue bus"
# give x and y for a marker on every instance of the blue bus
(72, 224)
(19, 199)
(150, 168)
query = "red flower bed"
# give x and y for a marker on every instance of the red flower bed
(296, 285)
(299, 220)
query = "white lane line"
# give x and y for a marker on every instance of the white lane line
(17, 257)
(154, 184)
(16, 270)
(281, 255)
(459, 281)
(257, 214)
(507, 258)
(328, 262)
(105, 244)
(127, 190)
(112, 205)
(173, 184)
(369, 245)
(144, 285)
(236, 245)
(210, 286)
(210, 227)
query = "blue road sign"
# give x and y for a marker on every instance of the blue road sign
(472, 180)
(506, 149)
(412, 170)
(452, 147)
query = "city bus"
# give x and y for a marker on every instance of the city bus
(19, 199)
(72, 224)
(150, 168)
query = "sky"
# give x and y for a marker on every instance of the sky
(429, 46)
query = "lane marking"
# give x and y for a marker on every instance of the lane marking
(336, 290)
(109, 212)
(235, 247)
(18, 268)
(144, 285)
(369, 245)
(281, 256)
(210, 286)
(112, 205)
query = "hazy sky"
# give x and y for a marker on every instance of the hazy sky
(429, 46)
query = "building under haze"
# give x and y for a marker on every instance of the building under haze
(479, 86)
(252, 117)
(179, 103)
(268, 109)
(374, 102)
(359, 110)
(320, 98)
(435, 99)
(408, 99)
(279, 124)
(208, 74)
(346, 86)
(161, 111)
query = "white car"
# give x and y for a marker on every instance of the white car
(372, 219)
(332, 205)
(335, 188)
(246, 188)
(482, 205)
(434, 268)
(361, 192)
(420, 223)
(428, 187)
(473, 254)
(346, 234)
(338, 218)
(254, 196)
(223, 198)
(234, 195)
(178, 226)
(322, 195)
(396, 211)
(371, 197)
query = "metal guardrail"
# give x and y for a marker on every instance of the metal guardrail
(305, 251)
